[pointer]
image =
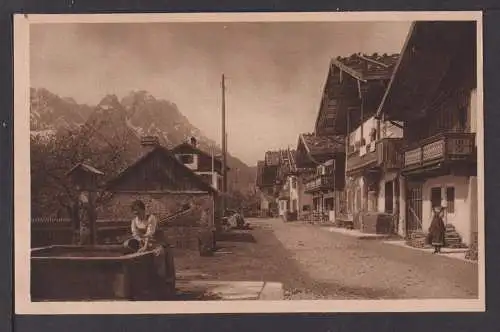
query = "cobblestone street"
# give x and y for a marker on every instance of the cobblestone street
(372, 269)
(313, 263)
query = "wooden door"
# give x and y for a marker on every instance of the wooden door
(389, 197)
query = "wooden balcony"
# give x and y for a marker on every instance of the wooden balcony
(319, 183)
(389, 153)
(445, 147)
(383, 154)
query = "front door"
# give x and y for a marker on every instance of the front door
(389, 197)
(414, 208)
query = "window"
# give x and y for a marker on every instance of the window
(186, 158)
(207, 178)
(435, 197)
(450, 199)
(294, 183)
(306, 208)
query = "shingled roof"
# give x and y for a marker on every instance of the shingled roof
(313, 149)
(367, 67)
(360, 67)
(158, 169)
(321, 145)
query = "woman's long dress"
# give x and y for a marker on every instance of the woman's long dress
(148, 229)
(437, 231)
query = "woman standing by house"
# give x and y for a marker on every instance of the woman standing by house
(437, 230)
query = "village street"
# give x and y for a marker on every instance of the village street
(313, 263)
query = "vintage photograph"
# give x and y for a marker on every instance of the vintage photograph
(249, 160)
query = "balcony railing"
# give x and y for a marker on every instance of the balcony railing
(384, 153)
(319, 182)
(439, 148)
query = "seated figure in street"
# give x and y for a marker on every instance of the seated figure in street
(147, 236)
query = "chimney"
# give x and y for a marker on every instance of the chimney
(150, 141)
(193, 141)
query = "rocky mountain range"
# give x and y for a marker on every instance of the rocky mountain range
(135, 115)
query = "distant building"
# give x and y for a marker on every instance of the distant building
(281, 183)
(206, 165)
(165, 185)
(322, 160)
(267, 171)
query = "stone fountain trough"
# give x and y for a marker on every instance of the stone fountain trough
(101, 272)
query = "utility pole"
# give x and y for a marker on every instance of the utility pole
(224, 147)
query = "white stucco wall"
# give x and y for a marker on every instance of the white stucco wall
(264, 202)
(294, 193)
(461, 217)
(358, 194)
(390, 176)
(387, 129)
(473, 111)
(367, 126)
(282, 207)
(402, 206)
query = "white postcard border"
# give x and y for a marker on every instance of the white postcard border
(23, 304)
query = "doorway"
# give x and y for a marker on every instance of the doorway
(414, 208)
(389, 197)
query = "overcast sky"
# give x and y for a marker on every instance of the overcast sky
(275, 71)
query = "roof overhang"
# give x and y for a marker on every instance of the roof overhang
(425, 59)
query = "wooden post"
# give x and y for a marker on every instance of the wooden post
(85, 179)
(224, 147)
(362, 108)
(92, 217)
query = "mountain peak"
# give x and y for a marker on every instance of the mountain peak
(126, 120)
(109, 102)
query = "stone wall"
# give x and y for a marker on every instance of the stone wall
(376, 223)
(160, 205)
(182, 231)
(472, 253)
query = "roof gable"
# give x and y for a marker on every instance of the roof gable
(158, 170)
(190, 149)
(346, 78)
(313, 149)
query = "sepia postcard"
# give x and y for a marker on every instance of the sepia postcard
(249, 162)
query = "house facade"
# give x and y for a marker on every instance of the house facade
(322, 160)
(169, 189)
(281, 185)
(372, 146)
(292, 178)
(206, 165)
(433, 92)
(266, 183)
